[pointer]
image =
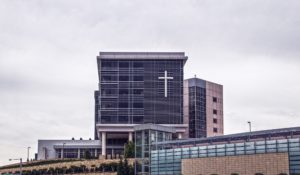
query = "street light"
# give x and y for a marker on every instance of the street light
(249, 125)
(20, 164)
(28, 148)
(62, 154)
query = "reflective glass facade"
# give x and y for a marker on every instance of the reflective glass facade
(130, 91)
(197, 112)
(144, 143)
(168, 161)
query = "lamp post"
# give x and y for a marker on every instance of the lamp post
(28, 148)
(249, 125)
(62, 154)
(20, 164)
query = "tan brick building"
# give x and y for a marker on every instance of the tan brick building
(267, 164)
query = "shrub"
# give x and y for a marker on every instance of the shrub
(129, 150)
(87, 155)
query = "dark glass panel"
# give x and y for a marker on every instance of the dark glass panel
(108, 78)
(123, 105)
(124, 78)
(138, 91)
(138, 64)
(138, 78)
(123, 91)
(123, 119)
(109, 64)
(123, 64)
(138, 119)
(106, 104)
(108, 119)
(138, 105)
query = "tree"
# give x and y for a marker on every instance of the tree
(126, 167)
(131, 169)
(87, 154)
(120, 169)
(129, 150)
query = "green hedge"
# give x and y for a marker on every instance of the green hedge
(103, 167)
(42, 162)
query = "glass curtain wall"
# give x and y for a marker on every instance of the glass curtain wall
(130, 92)
(145, 142)
(197, 112)
(168, 161)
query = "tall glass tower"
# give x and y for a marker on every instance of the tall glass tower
(138, 88)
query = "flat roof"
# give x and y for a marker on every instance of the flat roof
(246, 136)
(197, 80)
(143, 55)
(155, 127)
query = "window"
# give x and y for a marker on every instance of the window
(137, 64)
(138, 105)
(138, 119)
(108, 64)
(108, 92)
(108, 78)
(215, 111)
(123, 91)
(215, 129)
(107, 104)
(138, 78)
(215, 120)
(138, 91)
(215, 99)
(123, 64)
(123, 105)
(123, 119)
(108, 119)
(123, 78)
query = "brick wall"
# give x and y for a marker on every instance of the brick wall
(267, 164)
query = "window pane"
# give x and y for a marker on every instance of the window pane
(123, 91)
(123, 105)
(138, 105)
(138, 91)
(123, 78)
(137, 64)
(138, 78)
(138, 119)
(123, 119)
(123, 64)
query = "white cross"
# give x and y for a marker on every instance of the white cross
(166, 78)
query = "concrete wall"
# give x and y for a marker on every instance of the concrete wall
(186, 107)
(214, 90)
(267, 164)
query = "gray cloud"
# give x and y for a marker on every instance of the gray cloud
(48, 59)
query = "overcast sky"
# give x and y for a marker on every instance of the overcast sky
(48, 52)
